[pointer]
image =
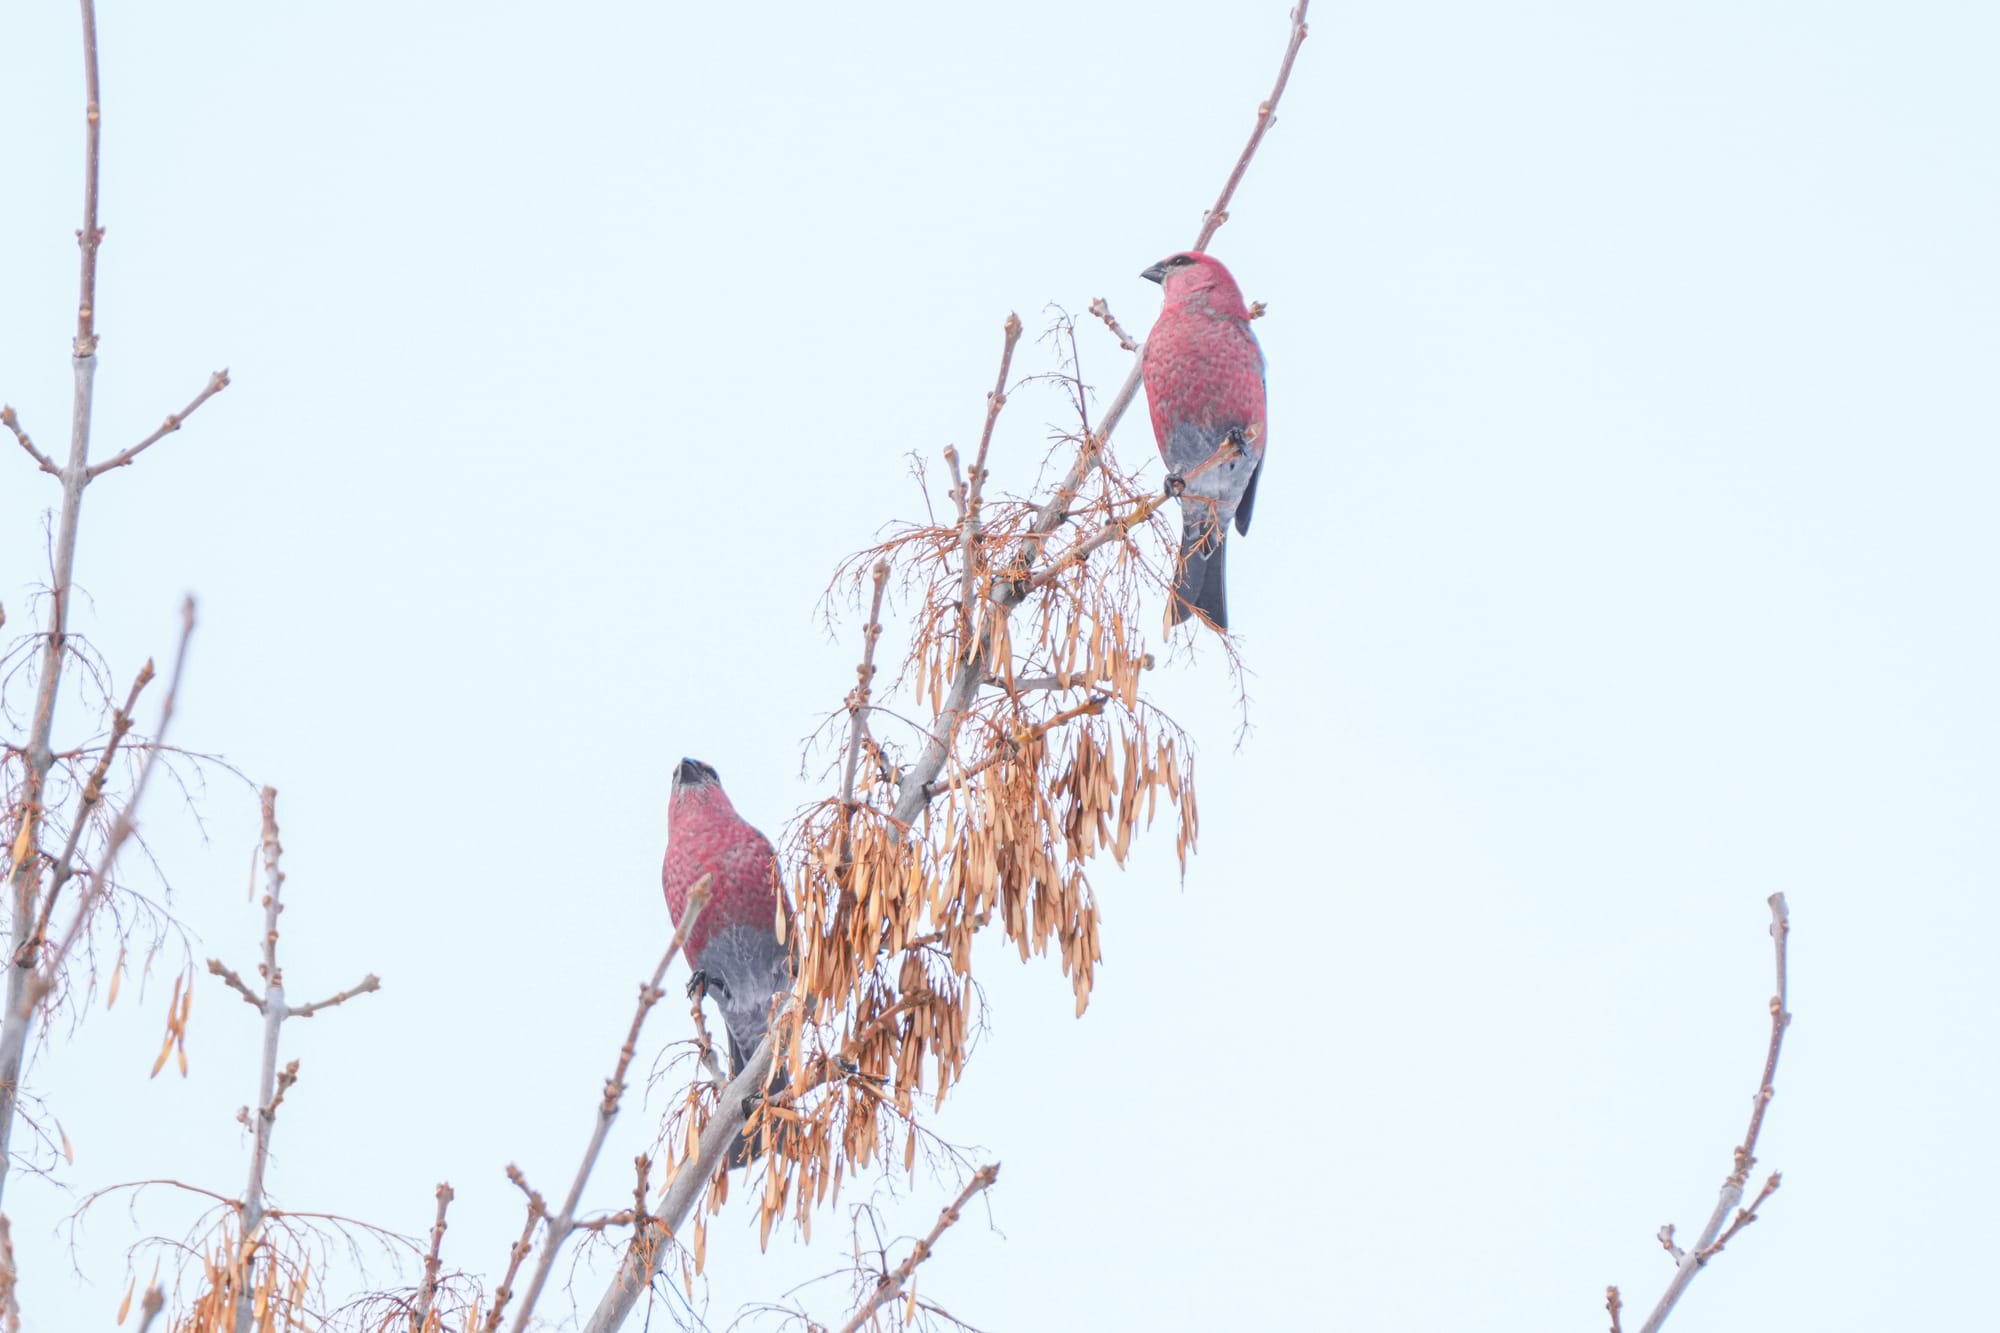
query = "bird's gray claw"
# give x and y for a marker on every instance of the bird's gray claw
(1176, 484)
(699, 983)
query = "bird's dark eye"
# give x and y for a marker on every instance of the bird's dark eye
(1180, 261)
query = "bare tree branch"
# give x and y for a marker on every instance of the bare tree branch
(268, 1091)
(1102, 309)
(607, 1109)
(893, 1282)
(42, 460)
(28, 986)
(1266, 117)
(1713, 1237)
(975, 478)
(537, 1210)
(427, 1293)
(216, 384)
(235, 982)
(365, 986)
(93, 792)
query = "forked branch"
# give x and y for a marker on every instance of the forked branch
(650, 992)
(1690, 1261)
(893, 1282)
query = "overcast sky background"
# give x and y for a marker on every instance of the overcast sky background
(1627, 554)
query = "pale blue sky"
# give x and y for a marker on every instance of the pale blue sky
(1626, 555)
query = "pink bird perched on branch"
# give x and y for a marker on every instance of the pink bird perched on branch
(1204, 377)
(734, 944)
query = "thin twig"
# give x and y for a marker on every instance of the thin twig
(28, 986)
(857, 702)
(93, 792)
(537, 1210)
(1230, 449)
(1614, 1304)
(231, 979)
(1712, 1235)
(365, 986)
(216, 384)
(607, 1108)
(891, 1283)
(433, 1263)
(1744, 1216)
(1266, 117)
(975, 478)
(42, 460)
(1102, 309)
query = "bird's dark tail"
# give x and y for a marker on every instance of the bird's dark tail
(1199, 588)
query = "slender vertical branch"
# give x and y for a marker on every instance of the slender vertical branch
(433, 1263)
(27, 984)
(24, 985)
(91, 235)
(564, 1222)
(975, 478)
(1267, 114)
(857, 703)
(1691, 1260)
(893, 1282)
(268, 1092)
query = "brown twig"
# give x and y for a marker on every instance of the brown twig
(216, 384)
(704, 1044)
(433, 1263)
(42, 460)
(1266, 117)
(1228, 450)
(564, 1222)
(1094, 704)
(857, 702)
(235, 982)
(28, 986)
(367, 985)
(893, 1282)
(975, 477)
(537, 1210)
(1614, 1304)
(93, 792)
(1102, 309)
(1695, 1256)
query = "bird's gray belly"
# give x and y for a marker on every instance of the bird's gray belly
(1189, 445)
(753, 966)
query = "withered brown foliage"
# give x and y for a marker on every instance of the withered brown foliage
(1024, 643)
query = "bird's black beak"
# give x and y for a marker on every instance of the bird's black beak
(692, 773)
(1157, 273)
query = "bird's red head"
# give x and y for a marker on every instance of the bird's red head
(697, 792)
(1194, 276)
